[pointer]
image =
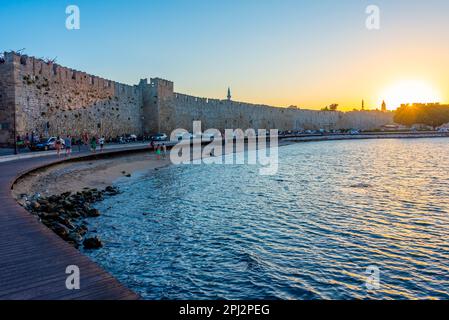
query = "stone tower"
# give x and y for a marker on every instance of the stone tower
(156, 95)
(363, 105)
(229, 94)
(384, 106)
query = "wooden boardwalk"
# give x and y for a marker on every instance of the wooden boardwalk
(33, 259)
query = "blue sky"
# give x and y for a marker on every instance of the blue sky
(308, 53)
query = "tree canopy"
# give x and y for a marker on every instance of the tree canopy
(433, 115)
(332, 107)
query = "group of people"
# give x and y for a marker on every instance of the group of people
(159, 149)
(28, 139)
(70, 141)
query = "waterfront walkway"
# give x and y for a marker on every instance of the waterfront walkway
(33, 260)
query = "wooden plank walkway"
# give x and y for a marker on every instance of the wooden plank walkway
(33, 259)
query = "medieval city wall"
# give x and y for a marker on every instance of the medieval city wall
(7, 99)
(55, 100)
(178, 110)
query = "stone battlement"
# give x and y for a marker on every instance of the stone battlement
(53, 71)
(50, 99)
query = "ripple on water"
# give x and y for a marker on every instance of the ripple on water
(309, 232)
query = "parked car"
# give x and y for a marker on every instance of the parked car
(159, 137)
(184, 136)
(46, 145)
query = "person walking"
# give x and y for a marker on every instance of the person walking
(164, 151)
(27, 140)
(68, 145)
(73, 142)
(79, 142)
(158, 152)
(102, 143)
(58, 145)
(85, 138)
(93, 144)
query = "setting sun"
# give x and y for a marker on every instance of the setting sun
(410, 91)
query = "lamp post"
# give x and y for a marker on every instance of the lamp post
(15, 132)
(143, 129)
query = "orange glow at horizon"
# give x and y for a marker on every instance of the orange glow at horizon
(409, 91)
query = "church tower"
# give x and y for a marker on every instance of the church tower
(363, 105)
(384, 106)
(229, 94)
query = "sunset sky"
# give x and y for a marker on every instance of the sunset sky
(290, 52)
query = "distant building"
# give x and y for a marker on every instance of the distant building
(384, 107)
(363, 105)
(229, 94)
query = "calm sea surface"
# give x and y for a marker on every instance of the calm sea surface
(309, 232)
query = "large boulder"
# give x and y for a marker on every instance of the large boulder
(92, 243)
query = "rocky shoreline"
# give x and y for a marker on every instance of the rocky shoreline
(67, 214)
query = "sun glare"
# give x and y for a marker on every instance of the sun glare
(411, 91)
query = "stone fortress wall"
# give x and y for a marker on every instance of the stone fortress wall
(55, 100)
(52, 100)
(176, 110)
(7, 99)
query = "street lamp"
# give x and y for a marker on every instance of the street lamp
(15, 132)
(143, 129)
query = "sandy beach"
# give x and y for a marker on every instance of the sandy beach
(79, 175)
(75, 176)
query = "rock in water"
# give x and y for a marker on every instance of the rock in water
(92, 243)
(93, 213)
(66, 214)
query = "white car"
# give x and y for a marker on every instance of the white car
(159, 137)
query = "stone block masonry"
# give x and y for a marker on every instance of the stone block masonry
(7, 100)
(54, 100)
(176, 110)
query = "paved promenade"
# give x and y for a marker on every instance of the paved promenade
(33, 259)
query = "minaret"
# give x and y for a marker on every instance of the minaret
(229, 94)
(384, 106)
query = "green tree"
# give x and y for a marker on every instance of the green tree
(433, 115)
